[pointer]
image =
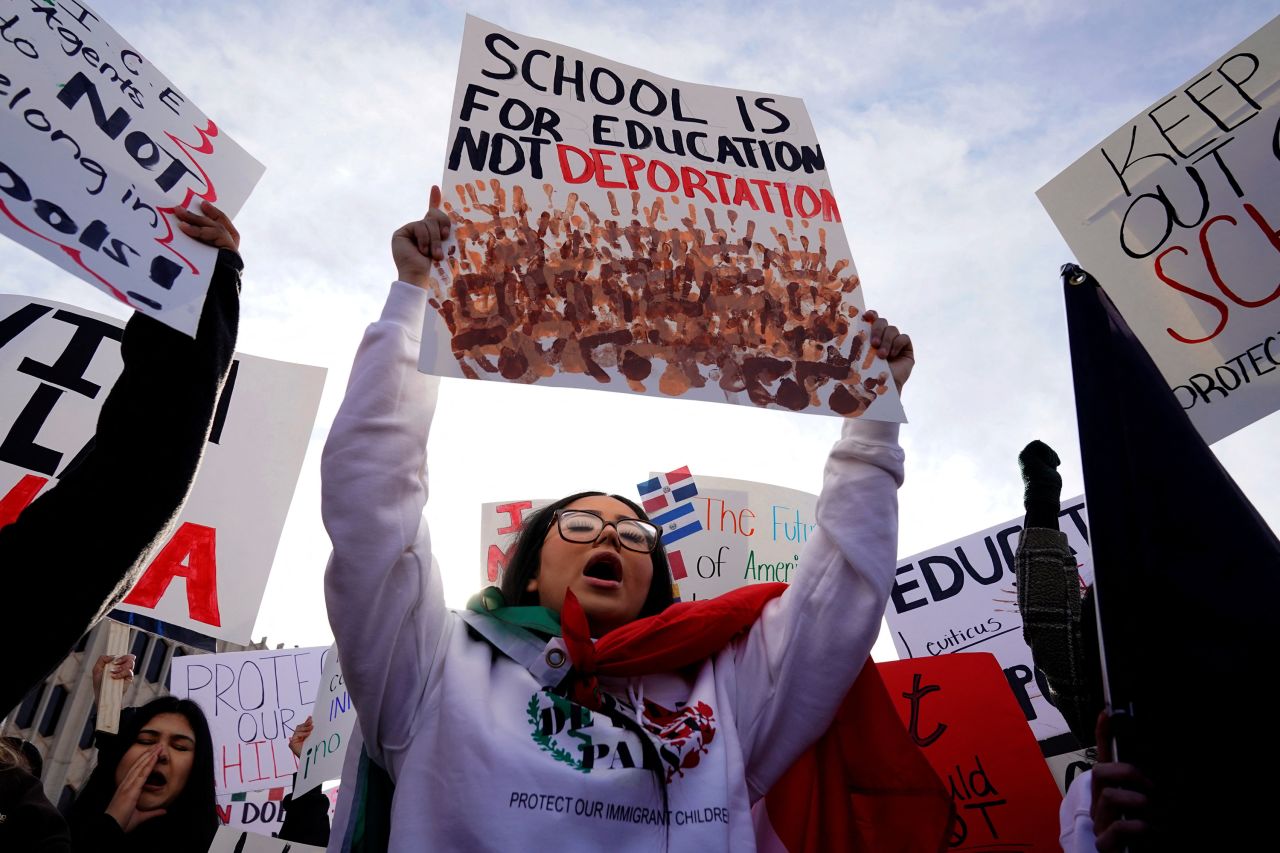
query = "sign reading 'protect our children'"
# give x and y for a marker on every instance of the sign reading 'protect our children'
(620, 230)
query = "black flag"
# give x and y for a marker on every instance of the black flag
(1188, 583)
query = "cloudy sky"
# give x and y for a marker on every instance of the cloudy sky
(938, 121)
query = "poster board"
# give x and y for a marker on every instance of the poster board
(253, 701)
(957, 710)
(751, 533)
(1176, 215)
(619, 230)
(333, 718)
(57, 365)
(99, 147)
(962, 597)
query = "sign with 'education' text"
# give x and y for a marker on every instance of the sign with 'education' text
(99, 148)
(620, 230)
(57, 365)
(1177, 216)
(963, 597)
(253, 701)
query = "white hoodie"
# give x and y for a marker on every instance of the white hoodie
(483, 754)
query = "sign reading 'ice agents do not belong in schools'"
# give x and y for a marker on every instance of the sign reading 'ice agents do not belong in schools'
(99, 147)
(1177, 216)
(620, 230)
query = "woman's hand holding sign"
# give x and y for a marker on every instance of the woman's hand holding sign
(893, 346)
(419, 244)
(213, 228)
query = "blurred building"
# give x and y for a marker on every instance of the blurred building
(58, 715)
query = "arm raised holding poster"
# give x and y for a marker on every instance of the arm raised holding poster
(119, 497)
(561, 698)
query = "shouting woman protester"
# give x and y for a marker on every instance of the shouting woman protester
(506, 725)
(153, 788)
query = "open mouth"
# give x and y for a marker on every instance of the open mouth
(155, 780)
(604, 570)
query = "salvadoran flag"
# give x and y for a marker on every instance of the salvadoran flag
(667, 490)
(677, 524)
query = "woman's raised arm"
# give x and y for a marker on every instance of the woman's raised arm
(384, 598)
(802, 656)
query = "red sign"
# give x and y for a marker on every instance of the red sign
(961, 713)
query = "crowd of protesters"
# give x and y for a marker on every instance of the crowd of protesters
(583, 625)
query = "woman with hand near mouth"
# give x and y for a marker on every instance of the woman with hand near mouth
(549, 708)
(153, 787)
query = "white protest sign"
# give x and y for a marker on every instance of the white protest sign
(253, 700)
(500, 521)
(620, 230)
(99, 147)
(256, 811)
(962, 596)
(333, 718)
(751, 533)
(1177, 216)
(229, 840)
(57, 364)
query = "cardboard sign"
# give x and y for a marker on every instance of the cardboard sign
(751, 533)
(253, 700)
(333, 718)
(99, 147)
(57, 364)
(959, 713)
(619, 230)
(1177, 216)
(234, 840)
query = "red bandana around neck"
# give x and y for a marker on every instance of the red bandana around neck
(685, 633)
(862, 786)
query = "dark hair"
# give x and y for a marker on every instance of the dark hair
(191, 820)
(526, 558)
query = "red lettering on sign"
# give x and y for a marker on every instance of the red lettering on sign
(515, 512)
(498, 560)
(190, 554)
(12, 504)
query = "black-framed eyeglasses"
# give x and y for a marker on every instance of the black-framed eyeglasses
(584, 525)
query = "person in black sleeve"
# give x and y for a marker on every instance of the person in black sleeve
(159, 412)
